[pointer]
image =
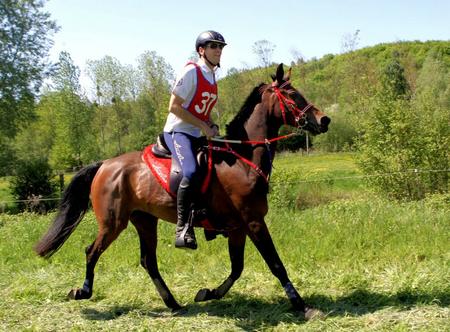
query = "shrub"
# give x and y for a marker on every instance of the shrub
(341, 135)
(406, 148)
(33, 186)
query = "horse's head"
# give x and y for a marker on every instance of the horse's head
(293, 108)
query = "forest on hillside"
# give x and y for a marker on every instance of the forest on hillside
(130, 106)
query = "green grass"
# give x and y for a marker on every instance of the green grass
(368, 263)
(304, 182)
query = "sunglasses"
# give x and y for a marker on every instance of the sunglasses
(213, 46)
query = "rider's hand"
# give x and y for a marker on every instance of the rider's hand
(210, 131)
(215, 128)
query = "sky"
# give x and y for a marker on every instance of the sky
(125, 29)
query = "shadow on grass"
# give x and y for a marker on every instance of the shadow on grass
(361, 301)
(115, 311)
(255, 314)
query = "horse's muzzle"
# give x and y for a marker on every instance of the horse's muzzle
(324, 122)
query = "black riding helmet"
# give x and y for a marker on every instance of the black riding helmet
(208, 37)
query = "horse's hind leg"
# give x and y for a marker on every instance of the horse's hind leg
(106, 235)
(146, 226)
(236, 245)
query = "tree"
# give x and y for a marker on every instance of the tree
(111, 79)
(350, 41)
(401, 137)
(25, 39)
(39, 134)
(263, 49)
(341, 135)
(297, 56)
(157, 77)
(33, 185)
(115, 85)
(73, 135)
(432, 98)
(7, 155)
(394, 80)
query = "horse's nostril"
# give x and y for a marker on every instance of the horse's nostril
(325, 121)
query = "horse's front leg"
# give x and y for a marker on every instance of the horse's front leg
(236, 245)
(260, 236)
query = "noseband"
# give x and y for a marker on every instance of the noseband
(290, 105)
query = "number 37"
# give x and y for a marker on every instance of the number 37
(207, 100)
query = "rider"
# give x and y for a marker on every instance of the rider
(193, 97)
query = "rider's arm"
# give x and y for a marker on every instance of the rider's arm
(175, 107)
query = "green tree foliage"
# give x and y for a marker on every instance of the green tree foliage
(33, 185)
(62, 131)
(36, 140)
(25, 39)
(112, 79)
(341, 135)
(156, 77)
(7, 155)
(73, 142)
(406, 141)
(233, 90)
(131, 102)
(432, 100)
(294, 143)
(394, 81)
(115, 84)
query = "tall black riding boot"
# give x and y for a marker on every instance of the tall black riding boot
(185, 236)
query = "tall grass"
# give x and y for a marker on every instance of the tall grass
(368, 263)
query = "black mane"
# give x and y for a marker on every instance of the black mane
(236, 126)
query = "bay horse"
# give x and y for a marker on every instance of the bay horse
(123, 189)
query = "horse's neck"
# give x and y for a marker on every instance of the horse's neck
(259, 128)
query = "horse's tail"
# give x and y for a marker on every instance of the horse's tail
(73, 206)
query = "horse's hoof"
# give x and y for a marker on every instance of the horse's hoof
(203, 295)
(179, 311)
(72, 294)
(316, 314)
(177, 308)
(78, 294)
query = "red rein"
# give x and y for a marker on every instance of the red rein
(284, 102)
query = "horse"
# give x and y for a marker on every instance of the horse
(123, 189)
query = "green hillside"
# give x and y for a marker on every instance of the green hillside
(342, 79)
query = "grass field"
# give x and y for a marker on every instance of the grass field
(369, 263)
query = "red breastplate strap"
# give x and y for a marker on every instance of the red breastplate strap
(205, 96)
(228, 149)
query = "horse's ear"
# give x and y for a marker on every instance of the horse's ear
(288, 75)
(280, 73)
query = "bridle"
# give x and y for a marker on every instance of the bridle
(290, 105)
(286, 105)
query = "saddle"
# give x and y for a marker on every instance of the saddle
(161, 150)
(167, 171)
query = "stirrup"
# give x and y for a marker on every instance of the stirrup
(181, 241)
